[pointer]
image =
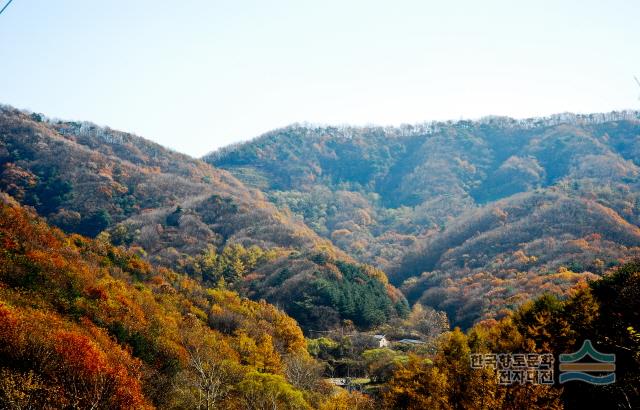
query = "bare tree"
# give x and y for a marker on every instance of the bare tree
(302, 371)
(211, 373)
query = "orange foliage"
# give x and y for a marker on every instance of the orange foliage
(103, 323)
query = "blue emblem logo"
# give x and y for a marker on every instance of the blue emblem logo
(599, 371)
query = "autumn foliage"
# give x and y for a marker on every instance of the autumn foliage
(605, 312)
(171, 210)
(84, 324)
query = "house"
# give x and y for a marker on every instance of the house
(381, 340)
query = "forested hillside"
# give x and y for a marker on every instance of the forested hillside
(87, 325)
(468, 216)
(167, 282)
(605, 312)
(84, 324)
(177, 212)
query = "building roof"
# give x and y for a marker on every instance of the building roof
(413, 341)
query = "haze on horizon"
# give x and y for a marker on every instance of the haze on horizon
(199, 75)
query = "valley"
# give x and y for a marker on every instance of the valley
(314, 267)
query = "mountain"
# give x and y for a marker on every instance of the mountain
(180, 213)
(132, 276)
(469, 216)
(84, 324)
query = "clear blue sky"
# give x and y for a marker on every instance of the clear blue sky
(196, 75)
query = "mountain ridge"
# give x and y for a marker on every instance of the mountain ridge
(390, 197)
(178, 211)
(385, 195)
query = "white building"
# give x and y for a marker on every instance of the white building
(381, 340)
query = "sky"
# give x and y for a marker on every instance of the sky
(198, 75)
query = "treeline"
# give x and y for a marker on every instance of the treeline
(412, 186)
